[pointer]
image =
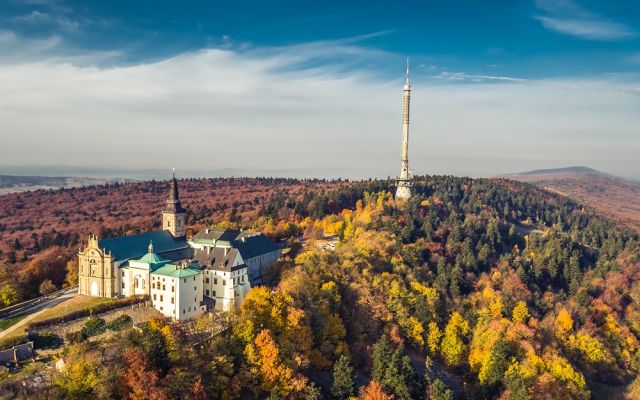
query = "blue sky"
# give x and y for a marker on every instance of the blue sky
(499, 86)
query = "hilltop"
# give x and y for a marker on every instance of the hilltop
(565, 170)
(609, 195)
(473, 288)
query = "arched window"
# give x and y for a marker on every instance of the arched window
(136, 282)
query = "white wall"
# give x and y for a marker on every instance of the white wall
(189, 297)
(164, 295)
(227, 288)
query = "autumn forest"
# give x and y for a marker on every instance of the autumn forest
(471, 289)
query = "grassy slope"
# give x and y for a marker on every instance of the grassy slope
(74, 304)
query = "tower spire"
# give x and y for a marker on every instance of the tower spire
(407, 82)
(403, 190)
(173, 202)
(174, 215)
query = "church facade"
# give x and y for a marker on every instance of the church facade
(214, 269)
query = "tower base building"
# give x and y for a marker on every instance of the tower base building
(403, 189)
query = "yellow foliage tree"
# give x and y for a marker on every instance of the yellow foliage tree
(562, 370)
(494, 301)
(520, 312)
(486, 357)
(564, 322)
(433, 337)
(587, 345)
(264, 356)
(453, 347)
(81, 374)
(416, 331)
(262, 309)
(430, 294)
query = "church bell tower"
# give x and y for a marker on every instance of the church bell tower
(174, 216)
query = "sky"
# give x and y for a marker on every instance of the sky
(297, 88)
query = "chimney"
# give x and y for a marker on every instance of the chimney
(206, 231)
(226, 250)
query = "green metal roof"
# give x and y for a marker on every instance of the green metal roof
(175, 271)
(152, 258)
(135, 246)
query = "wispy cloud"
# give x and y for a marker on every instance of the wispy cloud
(462, 76)
(39, 18)
(587, 29)
(7, 37)
(16, 49)
(569, 18)
(263, 109)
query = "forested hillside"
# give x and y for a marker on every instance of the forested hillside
(472, 289)
(40, 231)
(608, 195)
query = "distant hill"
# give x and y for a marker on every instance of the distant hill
(16, 183)
(565, 170)
(609, 195)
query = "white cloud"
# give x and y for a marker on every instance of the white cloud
(39, 18)
(299, 108)
(462, 76)
(569, 18)
(587, 29)
(7, 37)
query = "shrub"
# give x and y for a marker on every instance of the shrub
(75, 337)
(45, 340)
(13, 341)
(94, 326)
(100, 308)
(120, 323)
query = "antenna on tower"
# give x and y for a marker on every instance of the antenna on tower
(407, 70)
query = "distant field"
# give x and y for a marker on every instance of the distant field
(610, 196)
(12, 184)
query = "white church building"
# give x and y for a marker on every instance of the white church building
(214, 269)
